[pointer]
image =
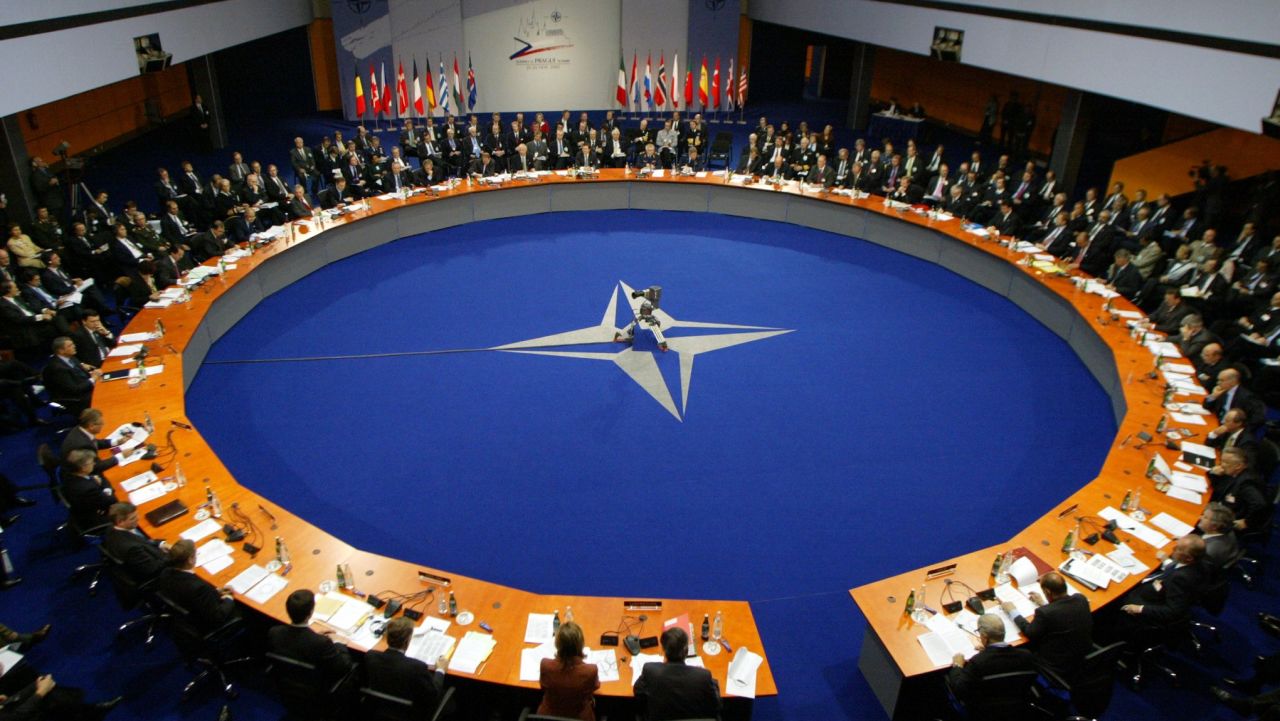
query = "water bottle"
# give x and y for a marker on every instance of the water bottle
(706, 626)
(717, 628)
(453, 605)
(351, 578)
(342, 579)
(555, 622)
(179, 476)
(442, 608)
(159, 329)
(282, 552)
(148, 423)
(568, 614)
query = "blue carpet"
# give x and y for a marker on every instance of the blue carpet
(907, 404)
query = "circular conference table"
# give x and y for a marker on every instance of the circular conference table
(890, 657)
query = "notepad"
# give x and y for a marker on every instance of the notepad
(1187, 419)
(124, 350)
(540, 628)
(531, 660)
(1006, 593)
(129, 485)
(1183, 494)
(212, 550)
(430, 646)
(147, 493)
(263, 590)
(1189, 481)
(247, 578)
(202, 529)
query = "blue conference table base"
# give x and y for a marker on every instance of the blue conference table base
(902, 697)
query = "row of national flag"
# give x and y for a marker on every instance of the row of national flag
(415, 98)
(647, 92)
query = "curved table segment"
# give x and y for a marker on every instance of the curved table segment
(1117, 361)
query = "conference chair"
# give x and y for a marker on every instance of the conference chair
(1253, 543)
(305, 692)
(387, 707)
(211, 652)
(1012, 696)
(133, 595)
(125, 307)
(528, 715)
(721, 150)
(84, 536)
(49, 462)
(1090, 687)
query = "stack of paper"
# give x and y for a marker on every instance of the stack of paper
(944, 640)
(129, 485)
(147, 493)
(429, 643)
(214, 555)
(1080, 570)
(137, 337)
(1123, 557)
(207, 527)
(472, 651)
(606, 661)
(741, 678)
(268, 587)
(1138, 530)
(1162, 349)
(248, 578)
(1021, 604)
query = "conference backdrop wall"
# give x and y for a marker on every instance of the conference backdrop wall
(532, 55)
(48, 66)
(1236, 89)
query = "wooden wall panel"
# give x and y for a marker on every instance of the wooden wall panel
(957, 94)
(324, 65)
(99, 116)
(1164, 169)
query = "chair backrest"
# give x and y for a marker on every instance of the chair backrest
(1003, 696)
(127, 591)
(301, 685)
(387, 707)
(1095, 681)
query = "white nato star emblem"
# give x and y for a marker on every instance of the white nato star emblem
(641, 365)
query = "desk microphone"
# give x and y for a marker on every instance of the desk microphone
(182, 425)
(171, 349)
(267, 513)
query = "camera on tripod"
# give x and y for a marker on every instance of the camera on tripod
(653, 294)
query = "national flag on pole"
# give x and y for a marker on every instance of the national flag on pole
(471, 84)
(648, 81)
(457, 87)
(386, 91)
(621, 91)
(635, 87)
(742, 88)
(418, 105)
(688, 88)
(715, 86)
(702, 84)
(431, 89)
(402, 91)
(444, 90)
(675, 81)
(660, 93)
(375, 104)
(359, 96)
(728, 88)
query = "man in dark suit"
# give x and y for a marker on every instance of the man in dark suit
(392, 672)
(1167, 595)
(27, 329)
(430, 173)
(165, 188)
(1233, 433)
(300, 204)
(1168, 317)
(173, 227)
(1193, 336)
(298, 641)
(59, 283)
(672, 690)
(93, 340)
(84, 437)
(1061, 634)
(88, 494)
(45, 186)
(142, 558)
(1239, 487)
(208, 608)
(305, 169)
(210, 243)
(1217, 528)
(484, 166)
(336, 195)
(170, 266)
(822, 173)
(778, 171)
(69, 382)
(957, 203)
(1228, 393)
(996, 657)
(1006, 222)
(1123, 277)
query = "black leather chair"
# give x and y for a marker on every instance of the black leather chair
(1091, 686)
(84, 536)
(528, 715)
(1010, 696)
(131, 596)
(211, 652)
(304, 690)
(387, 707)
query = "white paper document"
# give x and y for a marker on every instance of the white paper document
(207, 527)
(350, 615)
(218, 565)
(124, 350)
(741, 678)
(944, 640)
(1023, 571)
(247, 578)
(540, 628)
(137, 337)
(211, 550)
(637, 664)
(147, 494)
(1171, 525)
(1023, 605)
(428, 647)
(8, 659)
(150, 371)
(1183, 494)
(263, 590)
(1187, 419)
(472, 651)
(606, 661)
(531, 660)
(129, 485)
(1189, 481)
